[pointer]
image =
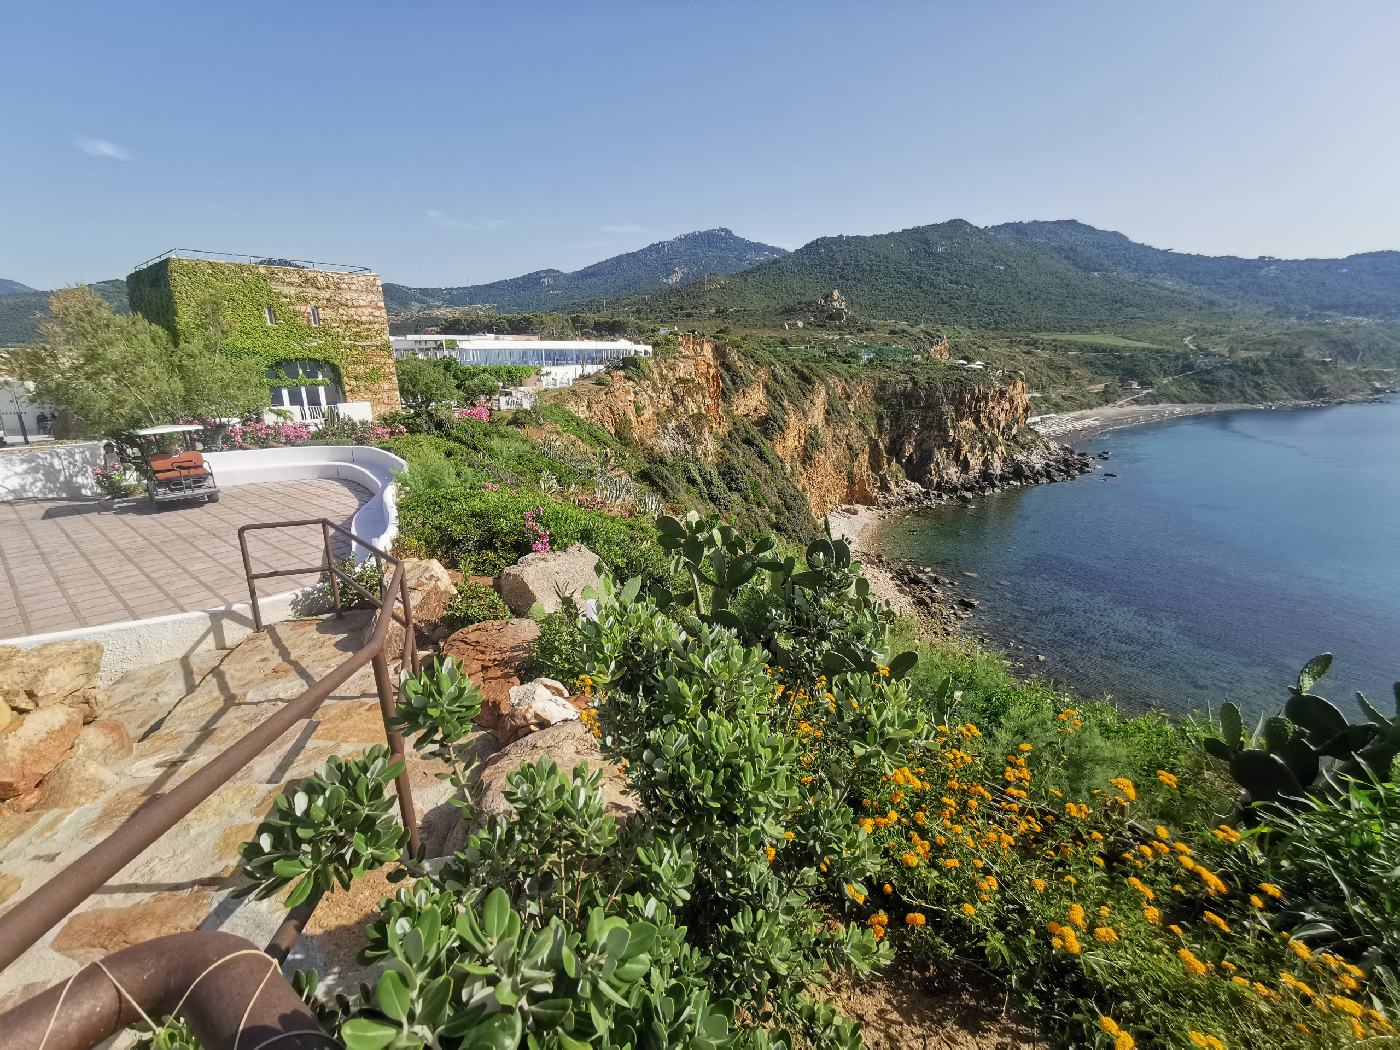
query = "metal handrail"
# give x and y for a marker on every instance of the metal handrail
(23, 925)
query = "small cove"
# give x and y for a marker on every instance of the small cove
(1227, 550)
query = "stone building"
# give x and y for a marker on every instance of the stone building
(320, 329)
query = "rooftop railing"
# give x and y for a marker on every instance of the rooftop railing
(254, 260)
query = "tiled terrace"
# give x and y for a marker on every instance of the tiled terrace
(80, 564)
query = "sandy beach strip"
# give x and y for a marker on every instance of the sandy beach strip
(1091, 422)
(858, 526)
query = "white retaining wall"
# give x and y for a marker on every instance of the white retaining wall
(139, 643)
(51, 472)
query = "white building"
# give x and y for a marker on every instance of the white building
(22, 422)
(560, 361)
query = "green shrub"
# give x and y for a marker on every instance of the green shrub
(473, 602)
(483, 530)
(326, 830)
(558, 652)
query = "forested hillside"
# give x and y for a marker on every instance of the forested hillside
(1366, 285)
(949, 273)
(664, 264)
(21, 312)
(1035, 277)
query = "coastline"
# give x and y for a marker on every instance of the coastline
(857, 525)
(1086, 423)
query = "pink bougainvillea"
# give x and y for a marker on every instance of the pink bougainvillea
(540, 542)
(479, 412)
(268, 435)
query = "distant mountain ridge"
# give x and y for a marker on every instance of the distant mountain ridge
(1033, 276)
(1363, 285)
(9, 287)
(22, 312)
(669, 263)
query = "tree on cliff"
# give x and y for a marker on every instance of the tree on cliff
(423, 384)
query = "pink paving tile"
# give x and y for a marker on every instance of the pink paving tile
(76, 564)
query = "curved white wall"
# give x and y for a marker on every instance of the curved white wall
(140, 643)
(373, 468)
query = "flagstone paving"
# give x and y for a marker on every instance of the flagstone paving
(180, 715)
(82, 564)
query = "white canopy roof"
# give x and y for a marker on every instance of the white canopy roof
(169, 428)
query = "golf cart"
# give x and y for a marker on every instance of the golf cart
(172, 474)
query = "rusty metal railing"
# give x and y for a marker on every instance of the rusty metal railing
(89, 995)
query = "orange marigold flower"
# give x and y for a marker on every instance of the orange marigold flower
(1151, 914)
(1166, 779)
(770, 853)
(914, 918)
(1216, 921)
(968, 910)
(1194, 966)
(1076, 915)
(1271, 890)
(1039, 885)
(1106, 934)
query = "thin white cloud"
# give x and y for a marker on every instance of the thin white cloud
(448, 222)
(625, 227)
(101, 148)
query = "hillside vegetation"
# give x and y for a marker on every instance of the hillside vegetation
(1038, 277)
(669, 263)
(1366, 285)
(22, 312)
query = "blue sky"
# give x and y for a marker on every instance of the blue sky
(453, 143)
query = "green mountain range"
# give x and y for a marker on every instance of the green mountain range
(8, 287)
(22, 310)
(1037, 276)
(1365, 285)
(665, 264)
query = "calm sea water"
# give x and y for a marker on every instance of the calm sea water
(1229, 550)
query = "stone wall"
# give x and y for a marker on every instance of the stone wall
(353, 333)
(352, 302)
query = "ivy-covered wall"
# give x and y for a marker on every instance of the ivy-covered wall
(353, 334)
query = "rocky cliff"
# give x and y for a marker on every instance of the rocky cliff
(843, 435)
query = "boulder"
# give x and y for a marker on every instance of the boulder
(430, 588)
(45, 674)
(494, 654)
(90, 701)
(543, 578)
(568, 744)
(533, 706)
(104, 741)
(31, 750)
(75, 782)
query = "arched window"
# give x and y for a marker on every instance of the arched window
(305, 387)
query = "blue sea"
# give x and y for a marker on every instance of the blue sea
(1228, 550)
